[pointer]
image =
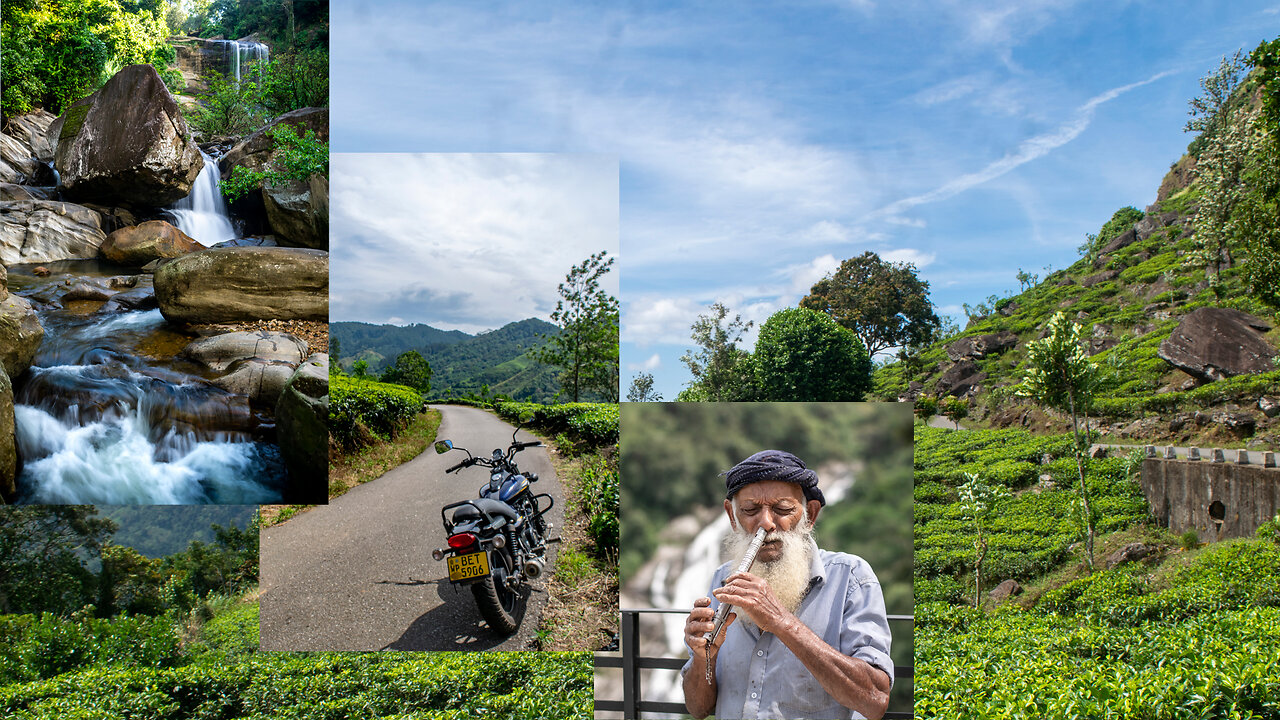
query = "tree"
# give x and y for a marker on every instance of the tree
(926, 406)
(1259, 213)
(804, 356)
(721, 372)
(883, 303)
(410, 369)
(1062, 377)
(47, 550)
(978, 502)
(954, 408)
(360, 368)
(586, 348)
(1223, 120)
(642, 389)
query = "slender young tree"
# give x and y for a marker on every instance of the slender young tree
(1063, 378)
(642, 389)
(586, 347)
(978, 501)
(721, 371)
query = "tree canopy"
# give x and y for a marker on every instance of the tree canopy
(721, 371)
(883, 303)
(586, 348)
(803, 356)
(410, 369)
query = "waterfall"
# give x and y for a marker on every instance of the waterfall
(202, 214)
(240, 53)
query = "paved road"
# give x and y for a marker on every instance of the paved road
(357, 574)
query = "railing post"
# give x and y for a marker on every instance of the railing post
(630, 668)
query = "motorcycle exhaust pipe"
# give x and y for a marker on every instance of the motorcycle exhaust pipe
(533, 568)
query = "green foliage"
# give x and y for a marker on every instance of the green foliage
(586, 347)
(48, 551)
(954, 408)
(978, 501)
(295, 80)
(884, 304)
(411, 370)
(58, 52)
(597, 493)
(721, 371)
(926, 406)
(228, 107)
(234, 631)
(641, 389)
(1120, 222)
(804, 356)
(357, 406)
(45, 646)
(298, 157)
(593, 424)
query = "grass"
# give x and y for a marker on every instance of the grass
(582, 613)
(368, 463)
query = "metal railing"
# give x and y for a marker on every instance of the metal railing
(633, 703)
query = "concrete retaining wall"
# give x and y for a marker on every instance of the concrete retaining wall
(1216, 499)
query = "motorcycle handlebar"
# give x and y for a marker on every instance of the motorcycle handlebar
(459, 466)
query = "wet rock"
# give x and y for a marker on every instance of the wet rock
(37, 231)
(139, 298)
(17, 158)
(127, 143)
(261, 381)
(41, 271)
(1004, 591)
(299, 212)
(249, 242)
(1214, 343)
(302, 417)
(32, 130)
(113, 218)
(10, 192)
(1129, 553)
(257, 149)
(8, 444)
(119, 282)
(977, 346)
(220, 352)
(149, 241)
(240, 284)
(20, 334)
(87, 291)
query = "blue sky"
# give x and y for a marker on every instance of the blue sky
(760, 144)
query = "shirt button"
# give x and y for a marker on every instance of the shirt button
(759, 652)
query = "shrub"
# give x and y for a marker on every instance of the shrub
(377, 407)
(298, 157)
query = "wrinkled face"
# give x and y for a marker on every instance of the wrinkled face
(775, 506)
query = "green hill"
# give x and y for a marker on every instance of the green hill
(161, 530)
(1130, 295)
(461, 364)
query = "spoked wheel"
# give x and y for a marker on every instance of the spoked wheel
(498, 602)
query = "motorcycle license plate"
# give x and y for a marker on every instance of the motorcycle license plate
(468, 567)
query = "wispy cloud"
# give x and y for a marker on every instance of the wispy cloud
(1028, 150)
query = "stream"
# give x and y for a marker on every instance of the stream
(110, 413)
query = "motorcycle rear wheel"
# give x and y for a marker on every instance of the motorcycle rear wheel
(496, 601)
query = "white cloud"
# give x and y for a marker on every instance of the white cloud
(659, 320)
(802, 277)
(654, 362)
(909, 255)
(465, 241)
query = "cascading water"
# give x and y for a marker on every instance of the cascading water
(203, 215)
(240, 54)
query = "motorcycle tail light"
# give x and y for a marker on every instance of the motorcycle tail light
(462, 540)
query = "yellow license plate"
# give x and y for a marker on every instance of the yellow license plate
(468, 567)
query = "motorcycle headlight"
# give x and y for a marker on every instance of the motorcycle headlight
(499, 542)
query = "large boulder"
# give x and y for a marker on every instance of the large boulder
(302, 421)
(17, 156)
(1214, 343)
(8, 445)
(10, 192)
(260, 363)
(32, 130)
(962, 378)
(255, 150)
(152, 240)
(37, 231)
(4, 282)
(244, 284)
(299, 212)
(20, 334)
(127, 143)
(976, 346)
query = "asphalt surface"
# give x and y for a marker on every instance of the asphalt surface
(357, 574)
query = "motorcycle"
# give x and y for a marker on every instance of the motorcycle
(497, 543)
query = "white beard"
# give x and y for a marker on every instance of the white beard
(788, 576)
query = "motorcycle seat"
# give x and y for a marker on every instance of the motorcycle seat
(492, 507)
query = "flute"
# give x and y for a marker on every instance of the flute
(722, 612)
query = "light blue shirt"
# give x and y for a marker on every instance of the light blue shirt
(759, 677)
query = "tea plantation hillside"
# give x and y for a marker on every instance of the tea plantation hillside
(1178, 303)
(1162, 628)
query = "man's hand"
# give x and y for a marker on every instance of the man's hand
(700, 622)
(752, 595)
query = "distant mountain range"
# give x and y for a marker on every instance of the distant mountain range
(460, 363)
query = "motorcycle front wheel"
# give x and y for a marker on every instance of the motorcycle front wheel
(495, 598)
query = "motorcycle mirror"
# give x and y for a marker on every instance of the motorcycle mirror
(443, 446)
